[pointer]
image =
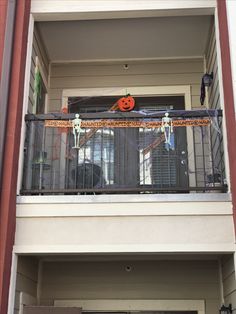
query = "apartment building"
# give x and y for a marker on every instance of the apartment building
(118, 129)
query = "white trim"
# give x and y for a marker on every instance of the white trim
(110, 205)
(130, 248)
(12, 288)
(25, 102)
(45, 10)
(135, 305)
(116, 210)
(125, 198)
(45, 6)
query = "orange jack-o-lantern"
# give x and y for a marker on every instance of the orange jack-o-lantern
(126, 103)
(64, 110)
(63, 130)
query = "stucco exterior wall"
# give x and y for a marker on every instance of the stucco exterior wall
(138, 223)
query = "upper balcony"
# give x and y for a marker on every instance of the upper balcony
(85, 67)
(124, 152)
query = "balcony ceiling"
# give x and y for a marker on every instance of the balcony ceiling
(125, 39)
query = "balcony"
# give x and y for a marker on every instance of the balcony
(124, 152)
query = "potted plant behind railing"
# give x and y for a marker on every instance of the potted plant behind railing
(214, 180)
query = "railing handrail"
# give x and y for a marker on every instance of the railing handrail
(222, 188)
(133, 114)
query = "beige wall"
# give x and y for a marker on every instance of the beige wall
(215, 102)
(26, 279)
(212, 66)
(229, 282)
(157, 280)
(179, 72)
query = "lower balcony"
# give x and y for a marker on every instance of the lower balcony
(124, 152)
(123, 284)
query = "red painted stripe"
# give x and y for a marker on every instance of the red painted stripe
(11, 153)
(228, 97)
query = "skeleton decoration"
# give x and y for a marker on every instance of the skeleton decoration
(167, 127)
(76, 124)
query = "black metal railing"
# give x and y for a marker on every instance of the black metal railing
(125, 159)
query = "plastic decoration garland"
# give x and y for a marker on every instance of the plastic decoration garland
(106, 123)
(37, 85)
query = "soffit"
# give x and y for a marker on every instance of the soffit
(125, 39)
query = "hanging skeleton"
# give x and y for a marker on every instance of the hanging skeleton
(76, 125)
(167, 127)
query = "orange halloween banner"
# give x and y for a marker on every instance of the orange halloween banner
(90, 124)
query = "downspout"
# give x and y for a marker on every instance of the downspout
(5, 75)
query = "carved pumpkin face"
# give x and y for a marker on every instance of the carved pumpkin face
(126, 103)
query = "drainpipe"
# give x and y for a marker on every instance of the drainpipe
(5, 75)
